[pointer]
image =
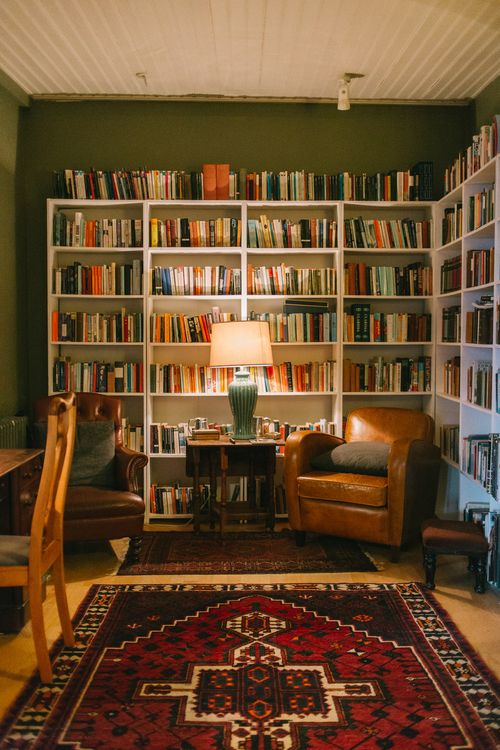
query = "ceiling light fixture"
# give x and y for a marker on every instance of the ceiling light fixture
(343, 101)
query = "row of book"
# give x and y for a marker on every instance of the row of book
(387, 233)
(184, 232)
(489, 521)
(285, 279)
(165, 184)
(479, 459)
(97, 377)
(481, 208)
(403, 375)
(413, 280)
(133, 435)
(170, 439)
(81, 232)
(285, 233)
(195, 280)
(451, 324)
(450, 441)
(114, 279)
(451, 377)
(479, 383)
(299, 327)
(97, 328)
(480, 267)
(286, 377)
(166, 328)
(452, 223)
(451, 274)
(361, 325)
(176, 499)
(485, 145)
(479, 321)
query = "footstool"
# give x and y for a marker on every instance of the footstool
(454, 538)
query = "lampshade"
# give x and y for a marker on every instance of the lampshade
(240, 343)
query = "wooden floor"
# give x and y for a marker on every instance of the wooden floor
(477, 616)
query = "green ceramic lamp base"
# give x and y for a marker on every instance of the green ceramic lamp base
(242, 393)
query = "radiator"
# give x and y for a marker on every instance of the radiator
(13, 432)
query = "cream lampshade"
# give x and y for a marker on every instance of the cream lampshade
(241, 344)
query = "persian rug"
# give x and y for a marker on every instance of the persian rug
(245, 552)
(260, 667)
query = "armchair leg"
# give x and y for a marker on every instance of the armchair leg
(394, 553)
(300, 538)
(134, 549)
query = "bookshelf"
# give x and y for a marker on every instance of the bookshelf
(466, 330)
(282, 261)
(96, 302)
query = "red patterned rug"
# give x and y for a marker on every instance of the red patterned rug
(260, 667)
(246, 552)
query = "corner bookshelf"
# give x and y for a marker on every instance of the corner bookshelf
(466, 330)
(276, 257)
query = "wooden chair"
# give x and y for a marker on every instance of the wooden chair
(25, 559)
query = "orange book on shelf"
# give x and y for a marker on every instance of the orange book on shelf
(55, 325)
(222, 182)
(209, 181)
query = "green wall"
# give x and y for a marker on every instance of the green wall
(12, 368)
(487, 104)
(182, 135)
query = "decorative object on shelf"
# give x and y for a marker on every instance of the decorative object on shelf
(241, 344)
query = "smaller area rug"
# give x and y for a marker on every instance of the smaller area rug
(260, 667)
(245, 552)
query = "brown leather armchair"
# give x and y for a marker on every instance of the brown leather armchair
(384, 510)
(92, 512)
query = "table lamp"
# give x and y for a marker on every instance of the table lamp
(241, 344)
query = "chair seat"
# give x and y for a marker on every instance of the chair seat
(104, 503)
(357, 489)
(458, 537)
(14, 550)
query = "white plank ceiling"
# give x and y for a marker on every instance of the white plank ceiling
(431, 50)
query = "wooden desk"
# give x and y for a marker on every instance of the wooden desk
(20, 470)
(222, 459)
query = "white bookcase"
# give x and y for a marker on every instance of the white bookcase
(469, 417)
(152, 407)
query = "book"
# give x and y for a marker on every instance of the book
(222, 182)
(209, 181)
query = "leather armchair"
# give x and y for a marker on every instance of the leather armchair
(384, 510)
(92, 512)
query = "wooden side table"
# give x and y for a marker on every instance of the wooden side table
(221, 459)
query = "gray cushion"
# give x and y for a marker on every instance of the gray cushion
(358, 457)
(14, 550)
(94, 456)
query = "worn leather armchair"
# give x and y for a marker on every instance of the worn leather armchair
(94, 512)
(384, 510)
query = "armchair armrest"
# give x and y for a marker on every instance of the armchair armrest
(128, 464)
(300, 448)
(413, 475)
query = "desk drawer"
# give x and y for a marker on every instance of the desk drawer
(26, 480)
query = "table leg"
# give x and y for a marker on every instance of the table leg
(224, 463)
(196, 489)
(271, 468)
(213, 486)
